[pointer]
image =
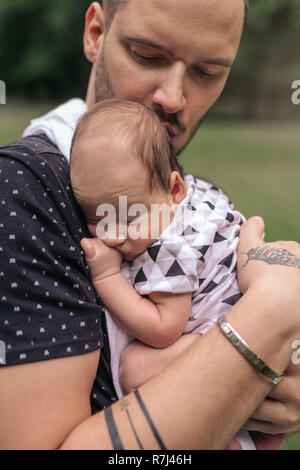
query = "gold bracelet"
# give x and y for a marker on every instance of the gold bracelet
(244, 349)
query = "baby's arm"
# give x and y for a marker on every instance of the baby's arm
(139, 362)
(157, 321)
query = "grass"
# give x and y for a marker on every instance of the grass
(257, 164)
(15, 117)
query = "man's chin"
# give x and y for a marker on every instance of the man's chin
(179, 143)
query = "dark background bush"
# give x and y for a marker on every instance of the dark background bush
(41, 55)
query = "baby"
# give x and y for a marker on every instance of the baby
(163, 259)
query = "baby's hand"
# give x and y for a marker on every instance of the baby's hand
(103, 260)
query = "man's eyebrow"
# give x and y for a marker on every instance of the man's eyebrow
(218, 61)
(146, 42)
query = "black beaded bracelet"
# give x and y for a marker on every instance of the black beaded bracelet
(244, 349)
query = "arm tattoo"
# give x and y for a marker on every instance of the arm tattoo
(124, 407)
(112, 429)
(273, 256)
(150, 422)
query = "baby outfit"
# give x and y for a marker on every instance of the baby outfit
(195, 253)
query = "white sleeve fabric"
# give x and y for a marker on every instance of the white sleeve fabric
(169, 265)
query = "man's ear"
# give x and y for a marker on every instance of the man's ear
(93, 32)
(177, 187)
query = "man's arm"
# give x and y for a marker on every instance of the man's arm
(208, 388)
(139, 362)
(50, 320)
(41, 403)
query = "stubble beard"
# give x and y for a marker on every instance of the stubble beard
(103, 88)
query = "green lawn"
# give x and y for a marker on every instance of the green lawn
(257, 164)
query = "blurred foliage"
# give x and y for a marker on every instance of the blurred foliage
(41, 48)
(267, 63)
(41, 55)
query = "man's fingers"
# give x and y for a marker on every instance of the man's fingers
(270, 411)
(261, 426)
(251, 234)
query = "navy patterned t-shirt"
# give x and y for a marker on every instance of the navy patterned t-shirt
(48, 306)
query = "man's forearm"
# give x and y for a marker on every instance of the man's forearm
(213, 388)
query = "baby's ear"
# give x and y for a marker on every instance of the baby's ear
(177, 187)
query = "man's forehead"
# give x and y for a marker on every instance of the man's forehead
(192, 10)
(175, 24)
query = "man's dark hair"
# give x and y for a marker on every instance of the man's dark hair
(246, 12)
(112, 6)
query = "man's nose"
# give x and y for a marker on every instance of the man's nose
(170, 95)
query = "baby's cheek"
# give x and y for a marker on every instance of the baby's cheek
(92, 229)
(142, 245)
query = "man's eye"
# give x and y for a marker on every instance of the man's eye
(149, 59)
(204, 73)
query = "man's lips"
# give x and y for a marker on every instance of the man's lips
(172, 131)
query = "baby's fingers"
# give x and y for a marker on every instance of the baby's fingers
(89, 249)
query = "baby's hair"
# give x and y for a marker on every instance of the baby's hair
(148, 139)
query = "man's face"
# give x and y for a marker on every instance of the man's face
(172, 56)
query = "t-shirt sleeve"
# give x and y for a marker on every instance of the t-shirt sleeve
(167, 266)
(48, 307)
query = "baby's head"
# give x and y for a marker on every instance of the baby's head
(120, 148)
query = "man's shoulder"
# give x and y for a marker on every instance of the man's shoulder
(38, 144)
(37, 157)
(32, 173)
(33, 150)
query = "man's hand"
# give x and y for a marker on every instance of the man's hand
(280, 261)
(273, 261)
(280, 412)
(103, 260)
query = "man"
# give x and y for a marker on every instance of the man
(174, 57)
